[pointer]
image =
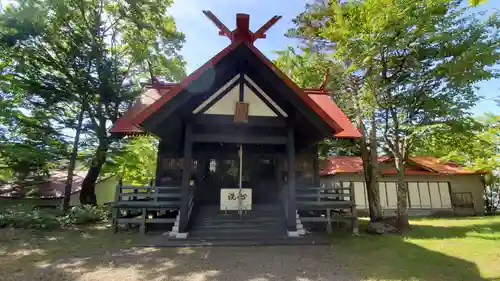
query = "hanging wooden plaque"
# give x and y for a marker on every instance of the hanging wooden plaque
(241, 112)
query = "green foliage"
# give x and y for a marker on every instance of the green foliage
(135, 161)
(27, 216)
(308, 69)
(22, 216)
(64, 56)
(85, 214)
(29, 143)
(6, 174)
(475, 144)
(418, 62)
(477, 2)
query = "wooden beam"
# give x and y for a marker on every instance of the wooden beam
(158, 164)
(263, 99)
(261, 32)
(292, 200)
(241, 139)
(186, 174)
(261, 121)
(218, 97)
(242, 88)
(223, 30)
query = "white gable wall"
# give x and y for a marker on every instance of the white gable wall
(256, 106)
(227, 104)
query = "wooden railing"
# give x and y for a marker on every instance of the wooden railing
(141, 205)
(327, 204)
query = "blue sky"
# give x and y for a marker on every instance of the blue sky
(203, 41)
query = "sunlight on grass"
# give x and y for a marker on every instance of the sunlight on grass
(435, 249)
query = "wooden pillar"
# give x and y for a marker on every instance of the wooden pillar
(316, 167)
(291, 204)
(277, 172)
(157, 180)
(186, 174)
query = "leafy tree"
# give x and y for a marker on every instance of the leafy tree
(477, 2)
(473, 143)
(308, 69)
(136, 161)
(419, 61)
(29, 143)
(350, 94)
(69, 55)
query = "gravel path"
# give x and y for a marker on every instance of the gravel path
(299, 263)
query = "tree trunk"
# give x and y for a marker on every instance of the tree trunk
(370, 164)
(87, 195)
(402, 194)
(371, 174)
(72, 162)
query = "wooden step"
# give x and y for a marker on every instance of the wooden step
(322, 205)
(239, 234)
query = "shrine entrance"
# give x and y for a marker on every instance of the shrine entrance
(235, 177)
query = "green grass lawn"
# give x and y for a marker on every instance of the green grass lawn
(435, 249)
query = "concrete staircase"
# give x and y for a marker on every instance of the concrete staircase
(262, 223)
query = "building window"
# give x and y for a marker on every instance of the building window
(421, 195)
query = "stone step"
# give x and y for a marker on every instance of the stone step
(239, 226)
(238, 220)
(249, 242)
(238, 234)
(244, 218)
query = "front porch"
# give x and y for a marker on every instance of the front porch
(269, 214)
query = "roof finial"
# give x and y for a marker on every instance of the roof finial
(242, 31)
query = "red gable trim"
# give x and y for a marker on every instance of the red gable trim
(437, 165)
(327, 110)
(125, 124)
(181, 86)
(316, 100)
(335, 116)
(319, 103)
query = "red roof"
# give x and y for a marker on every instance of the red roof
(425, 165)
(53, 187)
(319, 103)
(125, 124)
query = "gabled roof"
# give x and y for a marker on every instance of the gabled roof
(125, 124)
(317, 101)
(423, 165)
(52, 187)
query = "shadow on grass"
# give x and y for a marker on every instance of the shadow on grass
(97, 254)
(481, 231)
(422, 253)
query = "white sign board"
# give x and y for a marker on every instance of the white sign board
(229, 199)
